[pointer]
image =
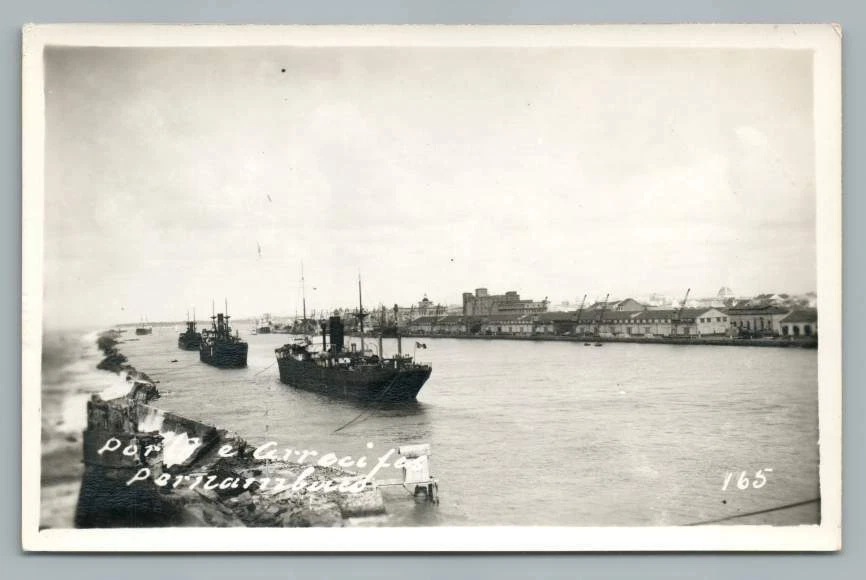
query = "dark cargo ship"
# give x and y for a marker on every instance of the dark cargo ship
(353, 374)
(350, 374)
(220, 348)
(190, 339)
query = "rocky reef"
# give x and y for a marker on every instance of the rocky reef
(145, 467)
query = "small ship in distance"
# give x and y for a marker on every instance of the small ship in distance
(264, 325)
(143, 328)
(190, 339)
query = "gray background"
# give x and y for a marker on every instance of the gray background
(848, 13)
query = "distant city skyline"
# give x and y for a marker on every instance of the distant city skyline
(373, 308)
(175, 177)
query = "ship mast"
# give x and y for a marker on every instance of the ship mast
(361, 313)
(303, 298)
(397, 330)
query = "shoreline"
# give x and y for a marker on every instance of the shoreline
(703, 341)
(188, 480)
(69, 362)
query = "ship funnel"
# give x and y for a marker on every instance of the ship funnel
(335, 326)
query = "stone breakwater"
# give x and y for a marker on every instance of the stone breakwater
(136, 455)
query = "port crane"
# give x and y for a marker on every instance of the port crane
(579, 312)
(678, 315)
(601, 314)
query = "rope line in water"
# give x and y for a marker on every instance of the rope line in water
(180, 368)
(173, 369)
(758, 512)
(367, 410)
(264, 369)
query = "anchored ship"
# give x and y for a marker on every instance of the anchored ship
(354, 374)
(189, 339)
(143, 328)
(264, 325)
(349, 374)
(219, 347)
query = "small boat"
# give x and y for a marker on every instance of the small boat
(598, 344)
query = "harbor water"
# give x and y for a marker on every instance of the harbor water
(544, 433)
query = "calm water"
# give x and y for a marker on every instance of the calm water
(545, 433)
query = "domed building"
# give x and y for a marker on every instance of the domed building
(725, 293)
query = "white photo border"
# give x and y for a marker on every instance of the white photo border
(824, 40)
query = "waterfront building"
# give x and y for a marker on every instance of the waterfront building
(482, 303)
(511, 324)
(766, 318)
(800, 323)
(422, 324)
(555, 322)
(686, 322)
(610, 323)
(449, 324)
(652, 322)
(424, 307)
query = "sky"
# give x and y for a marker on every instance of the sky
(180, 176)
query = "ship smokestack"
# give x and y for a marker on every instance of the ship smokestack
(335, 324)
(324, 326)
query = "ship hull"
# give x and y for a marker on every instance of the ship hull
(143, 331)
(189, 342)
(379, 384)
(225, 356)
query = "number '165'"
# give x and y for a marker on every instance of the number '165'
(743, 481)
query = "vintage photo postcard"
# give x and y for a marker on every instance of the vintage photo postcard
(545, 288)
